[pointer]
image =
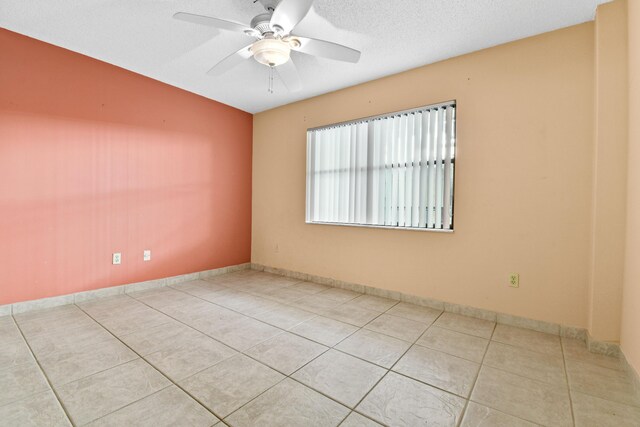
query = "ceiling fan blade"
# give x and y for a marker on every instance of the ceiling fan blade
(289, 75)
(289, 13)
(211, 22)
(231, 61)
(326, 49)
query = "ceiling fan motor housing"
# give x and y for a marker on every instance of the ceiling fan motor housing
(262, 23)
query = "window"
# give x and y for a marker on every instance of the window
(395, 170)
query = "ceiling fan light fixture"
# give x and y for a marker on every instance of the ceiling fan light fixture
(271, 52)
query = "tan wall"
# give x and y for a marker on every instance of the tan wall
(610, 171)
(523, 182)
(631, 303)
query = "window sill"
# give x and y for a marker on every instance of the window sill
(386, 227)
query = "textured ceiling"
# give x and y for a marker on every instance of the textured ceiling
(393, 35)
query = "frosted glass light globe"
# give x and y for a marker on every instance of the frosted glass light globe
(271, 52)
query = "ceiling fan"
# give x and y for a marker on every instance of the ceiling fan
(275, 40)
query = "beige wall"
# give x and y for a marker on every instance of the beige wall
(610, 171)
(523, 182)
(631, 303)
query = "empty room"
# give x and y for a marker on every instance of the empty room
(320, 213)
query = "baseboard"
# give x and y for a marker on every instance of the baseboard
(631, 372)
(25, 306)
(603, 347)
(611, 349)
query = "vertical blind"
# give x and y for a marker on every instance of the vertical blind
(395, 170)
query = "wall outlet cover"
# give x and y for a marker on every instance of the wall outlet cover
(146, 256)
(117, 258)
(514, 280)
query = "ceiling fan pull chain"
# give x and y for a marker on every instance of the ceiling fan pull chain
(270, 89)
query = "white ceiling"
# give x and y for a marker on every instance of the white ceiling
(393, 35)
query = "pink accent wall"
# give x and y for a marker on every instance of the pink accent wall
(95, 159)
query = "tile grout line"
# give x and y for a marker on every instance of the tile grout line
(316, 315)
(413, 344)
(590, 394)
(527, 350)
(448, 353)
(475, 381)
(286, 304)
(98, 372)
(538, 353)
(526, 378)
(394, 364)
(227, 308)
(142, 302)
(366, 416)
(563, 331)
(198, 275)
(489, 341)
(130, 403)
(204, 333)
(283, 331)
(606, 399)
(345, 418)
(257, 396)
(359, 327)
(53, 390)
(566, 377)
(150, 364)
(465, 333)
(291, 304)
(512, 373)
(261, 321)
(242, 352)
(297, 278)
(386, 335)
(290, 376)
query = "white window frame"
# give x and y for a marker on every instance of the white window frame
(358, 147)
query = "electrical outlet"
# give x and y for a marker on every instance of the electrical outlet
(117, 258)
(514, 280)
(146, 256)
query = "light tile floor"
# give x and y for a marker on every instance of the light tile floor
(255, 349)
